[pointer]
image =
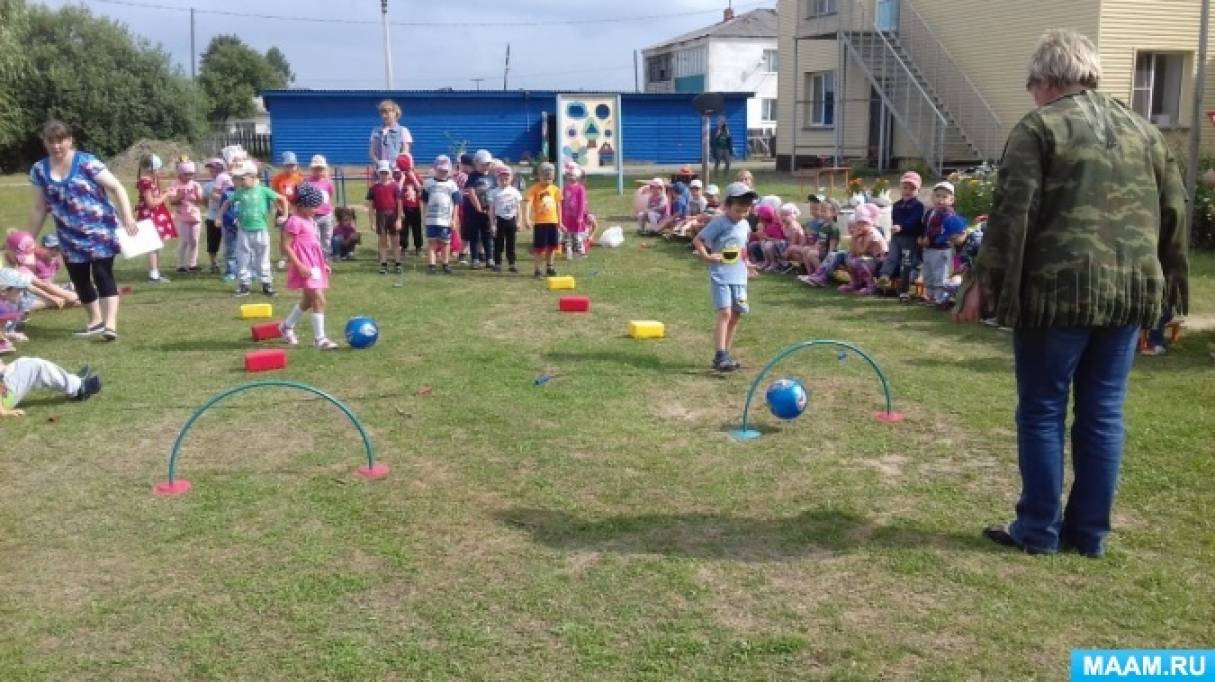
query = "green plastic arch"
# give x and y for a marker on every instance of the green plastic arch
(744, 433)
(181, 435)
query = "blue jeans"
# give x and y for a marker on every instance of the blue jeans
(1096, 361)
(229, 242)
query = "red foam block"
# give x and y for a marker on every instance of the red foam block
(265, 331)
(574, 304)
(265, 360)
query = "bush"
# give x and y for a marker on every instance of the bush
(973, 191)
(1202, 232)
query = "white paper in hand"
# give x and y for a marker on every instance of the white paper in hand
(145, 241)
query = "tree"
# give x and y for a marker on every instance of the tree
(14, 68)
(109, 86)
(279, 62)
(232, 74)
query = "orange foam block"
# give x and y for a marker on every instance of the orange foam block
(266, 331)
(265, 360)
(574, 304)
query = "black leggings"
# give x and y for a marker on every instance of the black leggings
(99, 271)
(215, 236)
(413, 223)
(504, 240)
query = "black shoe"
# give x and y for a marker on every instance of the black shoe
(537, 274)
(383, 268)
(722, 362)
(513, 269)
(181, 270)
(85, 372)
(432, 269)
(551, 271)
(397, 269)
(476, 265)
(268, 290)
(447, 269)
(194, 270)
(497, 268)
(93, 330)
(242, 291)
(1001, 536)
(108, 334)
(89, 386)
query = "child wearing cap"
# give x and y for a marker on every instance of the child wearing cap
(907, 218)
(254, 203)
(866, 252)
(696, 214)
(221, 193)
(21, 253)
(214, 232)
(411, 203)
(474, 212)
(657, 207)
(941, 225)
(151, 206)
(318, 177)
(822, 237)
(574, 212)
(309, 272)
(186, 196)
(542, 213)
(288, 178)
(441, 196)
(722, 243)
(384, 202)
(504, 201)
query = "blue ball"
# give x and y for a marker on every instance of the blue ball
(362, 332)
(787, 398)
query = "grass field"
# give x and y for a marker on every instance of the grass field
(599, 526)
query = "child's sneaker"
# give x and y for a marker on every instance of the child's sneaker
(398, 269)
(432, 269)
(447, 269)
(281, 265)
(383, 268)
(904, 298)
(537, 274)
(159, 279)
(109, 334)
(513, 269)
(288, 334)
(182, 270)
(497, 268)
(89, 386)
(242, 291)
(476, 265)
(1154, 350)
(268, 290)
(462, 260)
(551, 271)
(722, 362)
(92, 330)
(325, 344)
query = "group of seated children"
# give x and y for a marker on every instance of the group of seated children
(37, 264)
(677, 209)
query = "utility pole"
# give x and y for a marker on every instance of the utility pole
(478, 82)
(1196, 124)
(387, 45)
(193, 52)
(636, 79)
(506, 68)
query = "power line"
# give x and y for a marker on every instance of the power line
(424, 24)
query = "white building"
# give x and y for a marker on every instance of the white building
(737, 54)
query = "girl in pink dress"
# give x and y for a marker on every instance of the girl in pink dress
(308, 270)
(187, 196)
(151, 206)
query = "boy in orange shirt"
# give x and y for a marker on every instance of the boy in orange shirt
(284, 183)
(542, 212)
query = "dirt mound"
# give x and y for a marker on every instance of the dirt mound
(126, 164)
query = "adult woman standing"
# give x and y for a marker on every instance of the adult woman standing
(76, 189)
(723, 144)
(1086, 244)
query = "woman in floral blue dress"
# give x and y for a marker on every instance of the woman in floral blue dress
(77, 190)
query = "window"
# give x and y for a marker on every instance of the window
(1156, 94)
(690, 62)
(767, 110)
(771, 61)
(658, 68)
(819, 8)
(820, 108)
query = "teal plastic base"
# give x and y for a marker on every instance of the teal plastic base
(744, 434)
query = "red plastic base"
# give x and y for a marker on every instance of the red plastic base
(889, 417)
(265, 360)
(574, 304)
(123, 291)
(266, 331)
(166, 489)
(380, 470)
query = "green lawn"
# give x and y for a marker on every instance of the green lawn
(600, 526)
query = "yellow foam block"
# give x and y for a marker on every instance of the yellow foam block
(250, 311)
(647, 329)
(560, 283)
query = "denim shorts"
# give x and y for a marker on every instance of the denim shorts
(440, 233)
(732, 296)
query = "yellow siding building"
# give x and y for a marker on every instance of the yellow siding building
(947, 77)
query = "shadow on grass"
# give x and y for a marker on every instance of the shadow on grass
(633, 360)
(204, 344)
(719, 536)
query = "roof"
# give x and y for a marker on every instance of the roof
(758, 23)
(301, 93)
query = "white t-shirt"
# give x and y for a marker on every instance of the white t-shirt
(505, 201)
(441, 199)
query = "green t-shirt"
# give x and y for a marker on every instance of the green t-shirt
(253, 206)
(827, 233)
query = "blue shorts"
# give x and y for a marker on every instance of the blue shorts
(439, 233)
(733, 296)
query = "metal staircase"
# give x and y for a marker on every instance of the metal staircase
(933, 101)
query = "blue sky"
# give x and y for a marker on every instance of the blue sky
(433, 54)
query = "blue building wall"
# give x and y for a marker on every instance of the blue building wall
(657, 128)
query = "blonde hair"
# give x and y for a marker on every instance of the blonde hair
(1064, 58)
(832, 207)
(389, 105)
(790, 210)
